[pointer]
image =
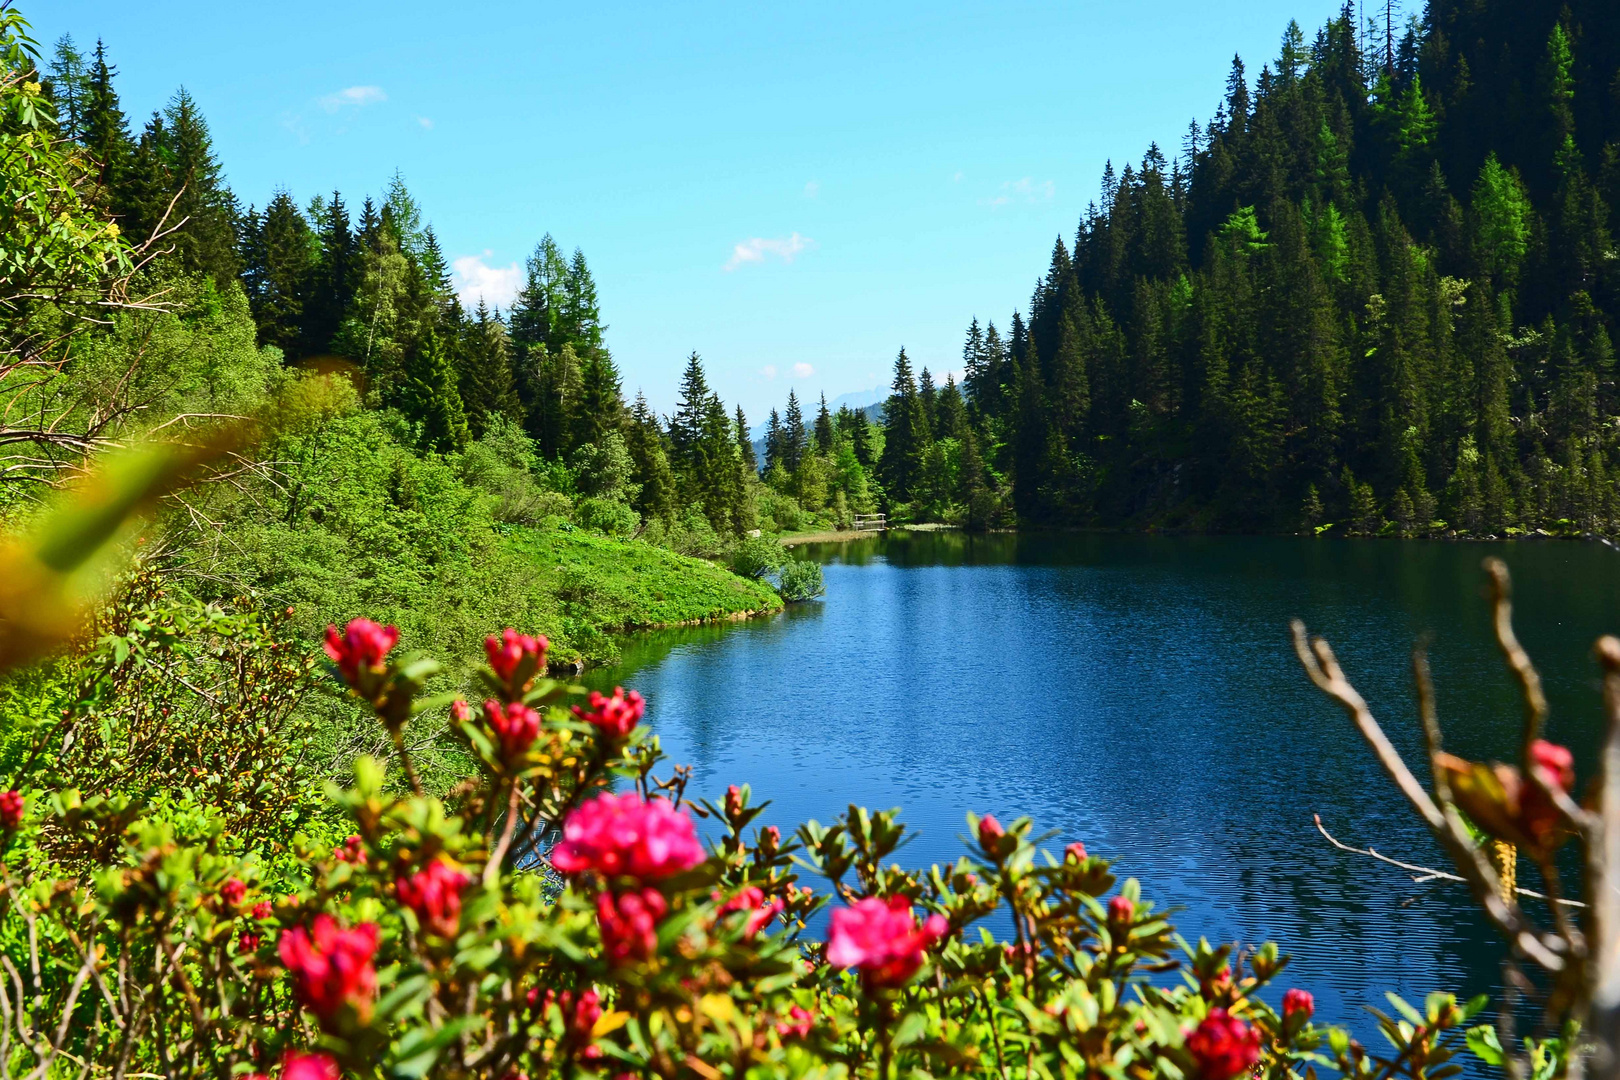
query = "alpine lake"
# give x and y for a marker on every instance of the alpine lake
(1139, 694)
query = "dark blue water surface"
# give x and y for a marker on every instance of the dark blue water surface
(1139, 694)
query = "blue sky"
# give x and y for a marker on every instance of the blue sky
(792, 190)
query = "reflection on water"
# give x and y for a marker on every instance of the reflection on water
(1139, 694)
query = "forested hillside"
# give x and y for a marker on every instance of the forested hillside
(441, 469)
(1376, 291)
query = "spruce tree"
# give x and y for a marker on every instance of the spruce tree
(795, 440)
(905, 432)
(655, 481)
(686, 425)
(431, 399)
(824, 428)
(775, 442)
(279, 266)
(486, 383)
(745, 445)
(69, 87)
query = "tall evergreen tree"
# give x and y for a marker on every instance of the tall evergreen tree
(486, 384)
(431, 399)
(824, 428)
(905, 433)
(795, 440)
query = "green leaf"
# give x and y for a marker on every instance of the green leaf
(1483, 1042)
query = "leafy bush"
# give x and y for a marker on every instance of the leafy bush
(800, 580)
(607, 516)
(758, 556)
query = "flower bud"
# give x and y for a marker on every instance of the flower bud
(262, 910)
(516, 727)
(515, 658)
(11, 810)
(615, 716)
(1075, 852)
(233, 892)
(360, 654)
(1298, 1003)
(1121, 910)
(460, 712)
(248, 942)
(990, 831)
(734, 803)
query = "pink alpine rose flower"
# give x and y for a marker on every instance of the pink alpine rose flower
(233, 892)
(11, 810)
(882, 939)
(616, 716)
(361, 651)
(990, 831)
(331, 967)
(625, 835)
(1121, 911)
(628, 922)
(310, 1067)
(752, 900)
(798, 1023)
(516, 726)
(1223, 1046)
(434, 893)
(1075, 852)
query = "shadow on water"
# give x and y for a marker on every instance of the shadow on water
(1138, 693)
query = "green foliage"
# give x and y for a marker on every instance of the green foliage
(799, 580)
(757, 557)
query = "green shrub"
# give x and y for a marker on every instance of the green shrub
(800, 580)
(758, 556)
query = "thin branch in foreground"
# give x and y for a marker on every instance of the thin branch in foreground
(1428, 873)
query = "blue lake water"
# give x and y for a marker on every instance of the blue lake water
(1139, 694)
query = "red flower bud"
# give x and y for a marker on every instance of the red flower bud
(434, 893)
(1223, 1046)
(616, 716)
(515, 654)
(1299, 1003)
(352, 850)
(734, 804)
(1075, 852)
(516, 726)
(990, 831)
(1121, 911)
(11, 810)
(262, 910)
(460, 712)
(360, 652)
(248, 942)
(626, 835)
(233, 892)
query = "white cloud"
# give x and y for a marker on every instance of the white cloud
(1022, 191)
(475, 279)
(812, 188)
(426, 122)
(769, 371)
(755, 249)
(353, 96)
(803, 371)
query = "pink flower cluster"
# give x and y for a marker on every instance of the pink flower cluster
(434, 893)
(352, 850)
(629, 923)
(881, 938)
(579, 1015)
(516, 727)
(627, 836)
(361, 652)
(1223, 1046)
(331, 967)
(616, 716)
(752, 900)
(232, 893)
(310, 1067)
(11, 810)
(516, 657)
(798, 1023)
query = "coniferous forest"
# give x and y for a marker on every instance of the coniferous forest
(1374, 291)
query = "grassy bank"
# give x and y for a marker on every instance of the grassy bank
(604, 586)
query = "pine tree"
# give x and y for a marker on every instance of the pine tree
(927, 393)
(795, 440)
(279, 260)
(951, 418)
(599, 409)
(655, 481)
(905, 432)
(486, 383)
(332, 282)
(775, 442)
(745, 445)
(824, 428)
(431, 398)
(106, 134)
(686, 425)
(206, 243)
